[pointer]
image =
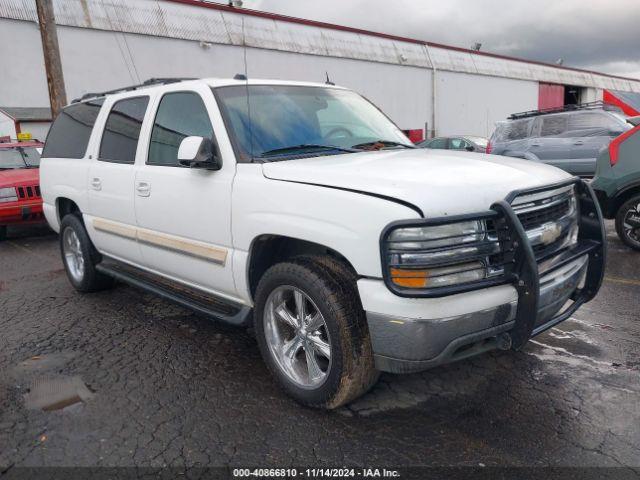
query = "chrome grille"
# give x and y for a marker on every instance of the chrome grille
(550, 220)
(535, 218)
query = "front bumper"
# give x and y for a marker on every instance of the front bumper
(21, 213)
(425, 332)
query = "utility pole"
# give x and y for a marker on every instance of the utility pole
(52, 64)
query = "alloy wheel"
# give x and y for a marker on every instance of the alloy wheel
(631, 223)
(297, 336)
(73, 256)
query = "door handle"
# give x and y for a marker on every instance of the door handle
(535, 144)
(578, 142)
(96, 183)
(143, 188)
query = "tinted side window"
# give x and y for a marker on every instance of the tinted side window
(69, 135)
(180, 115)
(591, 120)
(122, 130)
(553, 126)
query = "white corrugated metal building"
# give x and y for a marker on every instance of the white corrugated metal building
(106, 44)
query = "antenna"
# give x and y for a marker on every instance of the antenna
(328, 82)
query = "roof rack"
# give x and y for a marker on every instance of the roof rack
(147, 83)
(598, 105)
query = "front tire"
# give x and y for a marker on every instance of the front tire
(628, 222)
(80, 257)
(312, 332)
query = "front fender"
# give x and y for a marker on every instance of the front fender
(348, 222)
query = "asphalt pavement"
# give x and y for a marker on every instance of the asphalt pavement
(156, 385)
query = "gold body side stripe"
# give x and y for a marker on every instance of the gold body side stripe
(181, 245)
(119, 229)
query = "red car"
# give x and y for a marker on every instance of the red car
(20, 199)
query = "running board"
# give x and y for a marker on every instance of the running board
(204, 303)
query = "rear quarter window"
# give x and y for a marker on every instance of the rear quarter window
(438, 143)
(69, 135)
(510, 130)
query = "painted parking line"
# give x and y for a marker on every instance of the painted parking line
(623, 281)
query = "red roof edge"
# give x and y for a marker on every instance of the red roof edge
(332, 26)
(610, 98)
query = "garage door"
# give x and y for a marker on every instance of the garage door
(550, 96)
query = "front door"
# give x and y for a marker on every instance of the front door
(184, 214)
(111, 220)
(590, 132)
(551, 146)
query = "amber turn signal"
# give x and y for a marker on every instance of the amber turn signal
(410, 278)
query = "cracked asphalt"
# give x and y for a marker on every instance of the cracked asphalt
(167, 387)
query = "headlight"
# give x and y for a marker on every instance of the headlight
(8, 194)
(442, 255)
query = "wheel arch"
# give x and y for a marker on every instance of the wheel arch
(268, 249)
(66, 206)
(521, 154)
(623, 195)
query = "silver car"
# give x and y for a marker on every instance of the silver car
(469, 143)
(570, 138)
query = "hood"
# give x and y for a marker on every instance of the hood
(438, 182)
(19, 177)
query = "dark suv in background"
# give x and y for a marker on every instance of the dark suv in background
(570, 138)
(617, 184)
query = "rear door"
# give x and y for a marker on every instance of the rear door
(112, 221)
(184, 214)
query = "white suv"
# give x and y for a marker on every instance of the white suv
(301, 210)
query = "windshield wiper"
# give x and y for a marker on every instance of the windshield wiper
(305, 146)
(385, 143)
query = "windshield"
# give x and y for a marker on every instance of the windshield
(31, 156)
(19, 157)
(282, 120)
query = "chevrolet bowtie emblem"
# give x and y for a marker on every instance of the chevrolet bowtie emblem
(550, 233)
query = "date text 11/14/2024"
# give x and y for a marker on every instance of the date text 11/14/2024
(315, 473)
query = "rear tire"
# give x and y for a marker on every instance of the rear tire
(629, 210)
(80, 257)
(333, 363)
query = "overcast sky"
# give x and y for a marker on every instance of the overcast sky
(602, 35)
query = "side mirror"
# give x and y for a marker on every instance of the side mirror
(469, 148)
(198, 152)
(614, 132)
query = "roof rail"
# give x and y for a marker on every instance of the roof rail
(597, 105)
(147, 83)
